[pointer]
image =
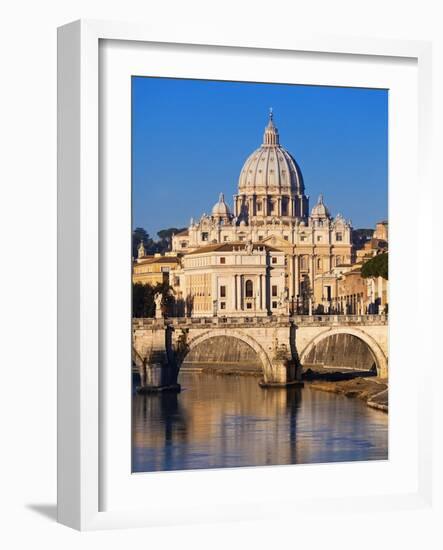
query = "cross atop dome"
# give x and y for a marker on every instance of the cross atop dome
(271, 137)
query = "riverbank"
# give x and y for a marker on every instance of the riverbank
(374, 391)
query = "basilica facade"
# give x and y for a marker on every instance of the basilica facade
(263, 255)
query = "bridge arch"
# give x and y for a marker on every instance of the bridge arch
(380, 359)
(261, 353)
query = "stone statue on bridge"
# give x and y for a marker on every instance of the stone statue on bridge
(158, 305)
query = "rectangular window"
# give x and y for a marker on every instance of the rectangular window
(225, 238)
(205, 236)
(303, 237)
(274, 305)
(338, 237)
(274, 260)
(319, 238)
(274, 290)
(223, 291)
(222, 260)
(184, 244)
(222, 305)
(259, 207)
(260, 237)
(249, 305)
(286, 238)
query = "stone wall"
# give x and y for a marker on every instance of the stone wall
(341, 350)
(221, 350)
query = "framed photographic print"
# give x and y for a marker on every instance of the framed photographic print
(231, 302)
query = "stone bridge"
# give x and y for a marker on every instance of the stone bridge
(282, 345)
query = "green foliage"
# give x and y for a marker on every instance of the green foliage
(152, 247)
(143, 304)
(376, 267)
(138, 235)
(143, 299)
(361, 236)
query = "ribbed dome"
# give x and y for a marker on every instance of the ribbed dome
(271, 169)
(221, 209)
(320, 210)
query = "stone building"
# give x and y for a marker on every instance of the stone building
(270, 209)
(233, 279)
(150, 270)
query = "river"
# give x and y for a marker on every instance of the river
(222, 421)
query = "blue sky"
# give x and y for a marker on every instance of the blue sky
(190, 139)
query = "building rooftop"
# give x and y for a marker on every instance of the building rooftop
(231, 247)
(159, 260)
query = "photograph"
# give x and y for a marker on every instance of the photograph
(260, 293)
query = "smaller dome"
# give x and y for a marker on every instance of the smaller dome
(221, 209)
(320, 210)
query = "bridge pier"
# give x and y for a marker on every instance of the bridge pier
(157, 363)
(281, 344)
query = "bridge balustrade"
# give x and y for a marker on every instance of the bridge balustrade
(305, 320)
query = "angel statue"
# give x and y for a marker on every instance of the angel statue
(158, 305)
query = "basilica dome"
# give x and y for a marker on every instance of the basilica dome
(271, 169)
(221, 209)
(320, 210)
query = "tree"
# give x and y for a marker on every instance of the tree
(168, 299)
(152, 247)
(376, 266)
(165, 236)
(140, 235)
(143, 299)
(143, 304)
(361, 236)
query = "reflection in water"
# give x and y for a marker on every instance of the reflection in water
(224, 421)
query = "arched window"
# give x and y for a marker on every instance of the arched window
(249, 289)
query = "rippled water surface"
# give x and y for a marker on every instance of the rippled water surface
(224, 421)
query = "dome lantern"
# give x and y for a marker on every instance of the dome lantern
(270, 136)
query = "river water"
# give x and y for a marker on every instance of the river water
(222, 421)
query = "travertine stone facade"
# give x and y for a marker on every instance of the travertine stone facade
(234, 279)
(270, 209)
(150, 270)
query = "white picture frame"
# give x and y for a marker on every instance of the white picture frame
(81, 210)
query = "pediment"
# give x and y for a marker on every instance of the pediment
(276, 241)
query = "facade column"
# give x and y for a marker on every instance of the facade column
(296, 275)
(234, 293)
(214, 294)
(242, 284)
(312, 270)
(260, 290)
(290, 263)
